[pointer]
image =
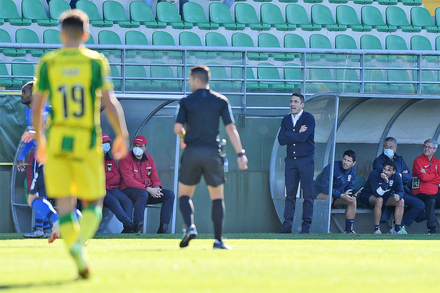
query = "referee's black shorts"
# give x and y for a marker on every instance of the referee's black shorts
(198, 161)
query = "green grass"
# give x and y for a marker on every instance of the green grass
(257, 263)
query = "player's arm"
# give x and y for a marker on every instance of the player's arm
(37, 120)
(234, 138)
(115, 115)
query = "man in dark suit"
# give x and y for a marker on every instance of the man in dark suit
(297, 132)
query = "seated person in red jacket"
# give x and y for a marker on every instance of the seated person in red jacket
(142, 185)
(117, 201)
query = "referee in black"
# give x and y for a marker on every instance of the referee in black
(197, 124)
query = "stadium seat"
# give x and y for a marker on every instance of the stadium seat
(57, 7)
(114, 74)
(421, 43)
(24, 72)
(267, 40)
(136, 71)
(370, 42)
(138, 38)
(412, 2)
(288, 1)
(347, 42)
(115, 12)
(371, 15)
(269, 74)
(244, 40)
(34, 10)
(346, 15)
(141, 12)
(92, 11)
(161, 70)
(397, 17)
(51, 36)
(251, 83)
(193, 13)
(387, 2)
(297, 15)
(106, 37)
(271, 14)
(294, 41)
(313, 1)
(322, 15)
(9, 13)
(161, 38)
(347, 74)
(6, 82)
(401, 75)
(12, 52)
(214, 39)
(292, 72)
(192, 39)
(24, 35)
(90, 40)
(218, 82)
(220, 13)
(437, 43)
(338, 1)
(394, 42)
(420, 16)
(363, 2)
(167, 12)
(318, 41)
(375, 75)
(437, 16)
(245, 14)
(427, 88)
(319, 84)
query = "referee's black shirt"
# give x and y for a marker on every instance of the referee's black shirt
(200, 112)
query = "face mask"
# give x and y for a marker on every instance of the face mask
(105, 147)
(137, 151)
(389, 153)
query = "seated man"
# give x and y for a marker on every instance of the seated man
(117, 201)
(344, 176)
(384, 186)
(141, 183)
(414, 207)
(426, 171)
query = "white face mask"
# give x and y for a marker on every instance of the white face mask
(389, 153)
(105, 147)
(137, 151)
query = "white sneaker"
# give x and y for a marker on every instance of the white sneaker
(37, 233)
(55, 232)
(220, 245)
(377, 232)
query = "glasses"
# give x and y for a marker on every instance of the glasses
(428, 147)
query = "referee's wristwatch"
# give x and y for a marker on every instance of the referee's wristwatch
(241, 153)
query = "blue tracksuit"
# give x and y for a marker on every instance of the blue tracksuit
(343, 180)
(376, 186)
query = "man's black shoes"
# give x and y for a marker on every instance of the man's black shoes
(188, 234)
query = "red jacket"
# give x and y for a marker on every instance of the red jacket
(112, 175)
(429, 181)
(138, 173)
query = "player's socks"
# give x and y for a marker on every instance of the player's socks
(46, 224)
(397, 228)
(39, 219)
(69, 229)
(91, 218)
(218, 211)
(187, 210)
(349, 225)
(43, 207)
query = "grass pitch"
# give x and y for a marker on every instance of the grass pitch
(257, 263)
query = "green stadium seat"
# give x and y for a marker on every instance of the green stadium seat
(161, 70)
(412, 2)
(387, 2)
(394, 42)
(24, 35)
(370, 42)
(245, 14)
(313, 1)
(346, 15)
(115, 12)
(267, 40)
(136, 71)
(51, 36)
(220, 13)
(161, 38)
(34, 10)
(262, 0)
(297, 15)
(114, 74)
(251, 83)
(192, 39)
(437, 16)
(90, 40)
(269, 74)
(347, 42)
(12, 52)
(420, 16)
(397, 17)
(319, 84)
(338, 1)
(322, 15)
(293, 72)
(371, 15)
(375, 75)
(167, 12)
(22, 73)
(6, 82)
(317, 41)
(92, 11)
(427, 76)
(193, 13)
(271, 14)
(294, 41)
(288, 1)
(403, 88)
(244, 40)
(57, 7)
(106, 37)
(347, 75)
(421, 43)
(214, 39)
(363, 2)
(138, 38)
(437, 43)
(9, 13)
(218, 76)
(141, 12)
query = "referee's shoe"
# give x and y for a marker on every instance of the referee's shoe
(188, 234)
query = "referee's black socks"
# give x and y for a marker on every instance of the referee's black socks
(187, 210)
(218, 210)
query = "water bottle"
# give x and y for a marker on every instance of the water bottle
(226, 165)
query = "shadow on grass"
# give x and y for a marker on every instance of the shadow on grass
(35, 285)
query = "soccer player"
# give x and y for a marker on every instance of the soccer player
(71, 78)
(197, 124)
